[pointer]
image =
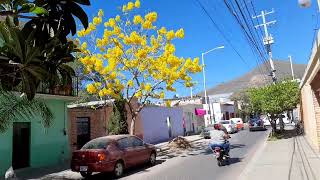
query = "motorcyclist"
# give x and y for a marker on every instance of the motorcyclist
(219, 138)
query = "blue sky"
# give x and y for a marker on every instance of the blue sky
(293, 33)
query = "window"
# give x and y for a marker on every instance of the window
(225, 122)
(97, 144)
(123, 143)
(136, 142)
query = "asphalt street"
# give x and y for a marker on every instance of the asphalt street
(200, 162)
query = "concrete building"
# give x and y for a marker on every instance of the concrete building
(154, 123)
(28, 144)
(193, 121)
(310, 97)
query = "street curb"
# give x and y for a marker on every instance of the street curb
(254, 158)
(166, 146)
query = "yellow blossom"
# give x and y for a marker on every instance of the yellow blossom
(101, 93)
(148, 87)
(147, 25)
(170, 35)
(113, 75)
(180, 33)
(137, 4)
(84, 45)
(138, 94)
(161, 95)
(91, 89)
(137, 19)
(168, 103)
(152, 17)
(162, 31)
(124, 8)
(112, 22)
(97, 20)
(130, 83)
(100, 13)
(128, 23)
(130, 6)
(117, 18)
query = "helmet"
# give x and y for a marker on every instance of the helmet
(217, 126)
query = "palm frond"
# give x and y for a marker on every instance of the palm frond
(14, 108)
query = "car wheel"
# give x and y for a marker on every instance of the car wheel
(242, 128)
(118, 169)
(153, 159)
(86, 174)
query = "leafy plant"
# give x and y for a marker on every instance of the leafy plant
(38, 50)
(20, 61)
(15, 108)
(117, 123)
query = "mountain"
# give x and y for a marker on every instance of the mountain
(258, 77)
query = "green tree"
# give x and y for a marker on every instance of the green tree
(242, 99)
(117, 123)
(275, 99)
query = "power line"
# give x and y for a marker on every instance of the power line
(221, 32)
(247, 30)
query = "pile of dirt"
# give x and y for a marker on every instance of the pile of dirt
(179, 143)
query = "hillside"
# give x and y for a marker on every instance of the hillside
(258, 77)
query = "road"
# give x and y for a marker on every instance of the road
(200, 163)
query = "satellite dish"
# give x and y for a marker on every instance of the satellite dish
(304, 3)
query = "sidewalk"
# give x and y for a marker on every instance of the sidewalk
(284, 159)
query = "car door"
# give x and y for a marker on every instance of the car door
(128, 151)
(140, 149)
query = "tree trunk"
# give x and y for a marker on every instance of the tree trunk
(273, 125)
(132, 125)
(281, 123)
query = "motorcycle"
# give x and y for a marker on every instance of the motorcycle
(221, 156)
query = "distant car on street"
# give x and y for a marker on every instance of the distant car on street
(206, 132)
(229, 125)
(256, 124)
(112, 154)
(239, 123)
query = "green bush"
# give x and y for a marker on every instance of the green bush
(118, 122)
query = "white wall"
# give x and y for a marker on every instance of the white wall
(217, 111)
(154, 122)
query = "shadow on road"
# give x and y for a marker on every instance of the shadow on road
(136, 170)
(234, 146)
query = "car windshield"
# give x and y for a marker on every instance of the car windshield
(97, 144)
(225, 122)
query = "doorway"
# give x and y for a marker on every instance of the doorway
(21, 145)
(83, 131)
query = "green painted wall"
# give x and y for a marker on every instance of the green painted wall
(48, 146)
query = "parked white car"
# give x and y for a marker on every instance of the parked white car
(267, 122)
(229, 125)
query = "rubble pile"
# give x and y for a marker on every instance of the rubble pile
(179, 143)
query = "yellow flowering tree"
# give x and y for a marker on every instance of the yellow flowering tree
(135, 59)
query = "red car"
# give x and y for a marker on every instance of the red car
(112, 154)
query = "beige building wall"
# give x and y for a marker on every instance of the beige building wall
(308, 116)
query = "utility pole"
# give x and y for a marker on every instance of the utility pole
(268, 39)
(191, 94)
(292, 73)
